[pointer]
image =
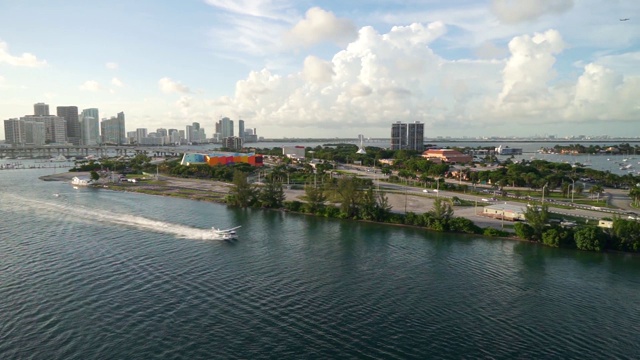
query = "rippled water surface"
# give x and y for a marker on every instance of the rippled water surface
(101, 274)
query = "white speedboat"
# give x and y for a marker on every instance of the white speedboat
(225, 234)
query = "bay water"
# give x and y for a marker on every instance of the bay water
(98, 274)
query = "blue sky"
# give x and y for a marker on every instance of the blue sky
(331, 68)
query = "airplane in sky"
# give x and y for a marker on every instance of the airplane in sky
(625, 19)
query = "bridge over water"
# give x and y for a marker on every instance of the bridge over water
(50, 151)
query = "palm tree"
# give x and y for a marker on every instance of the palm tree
(596, 189)
(634, 193)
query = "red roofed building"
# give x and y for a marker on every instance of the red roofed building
(446, 155)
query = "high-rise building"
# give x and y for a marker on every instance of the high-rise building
(55, 127)
(70, 114)
(189, 132)
(90, 127)
(41, 109)
(415, 136)
(226, 127)
(113, 130)
(14, 131)
(241, 129)
(35, 133)
(141, 133)
(398, 136)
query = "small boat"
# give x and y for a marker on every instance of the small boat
(56, 195)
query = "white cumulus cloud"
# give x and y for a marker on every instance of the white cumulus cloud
(317, 70)
(26, 59)
(319, 26)
(90, 85)
(117, 82)
(168, 86)
(381, 78)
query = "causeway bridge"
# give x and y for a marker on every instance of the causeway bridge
(49, 151)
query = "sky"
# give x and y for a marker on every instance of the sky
(311, 69)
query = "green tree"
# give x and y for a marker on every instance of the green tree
(537, 217)
(626, 235)
(589, 238)
(94, 175)
(442, 210)
(374, 205)
(314, 197)
(272, 195)
(347, 191)
(596, 189)
(524, 231)
(242, 193)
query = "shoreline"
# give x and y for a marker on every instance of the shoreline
(216, 191)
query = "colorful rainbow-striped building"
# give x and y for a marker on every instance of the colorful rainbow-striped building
(221, 158)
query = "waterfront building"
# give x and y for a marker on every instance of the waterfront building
(41, 109)
(141, 133)
(35, 133)
(508, 151)
(55, 127)
(89, 130)
(232, 142)
(113, 130)
(447, 155)
(226, 127)
(70, 115)
(221, 158)
(14, 132)
(294, 152)
(163, 134)
(505, 212)
(415, 136)
(398, 136)
(407, 136)
(90, 126)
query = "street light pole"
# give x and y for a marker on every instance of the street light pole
(573, 189)
(545, 185)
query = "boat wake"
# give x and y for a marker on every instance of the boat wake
(88, 215)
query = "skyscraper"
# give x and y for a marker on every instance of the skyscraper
(90, 127)
(70, 114)
(41, 109)
(398, 136)
(226, 127)
(407, 136)
(241, 129)
(415, 136)
(113, 130)
(14, 131)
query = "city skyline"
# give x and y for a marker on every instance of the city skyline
(332, 69)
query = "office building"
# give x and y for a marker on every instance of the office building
(55, 127)
(70, 115)
(41, 109)
(113, 130)
(241, 129)
(35, 133)
(141, 133)
(90, 127)
(226, 127)
(14, 133)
